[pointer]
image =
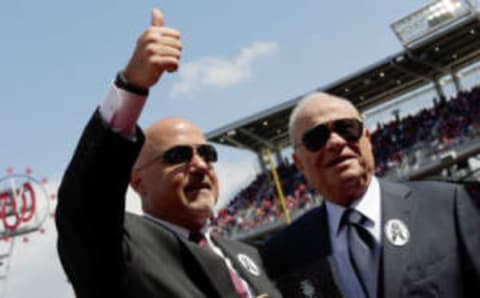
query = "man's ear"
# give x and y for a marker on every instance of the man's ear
(298, 162)
(367, 134)
(137, 183)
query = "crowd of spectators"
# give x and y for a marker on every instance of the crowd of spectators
(258, 203)
(438, 128)
(445, 124)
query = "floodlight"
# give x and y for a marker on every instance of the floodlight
(442, 11)
(431, 19)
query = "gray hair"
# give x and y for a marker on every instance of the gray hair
(304, 102)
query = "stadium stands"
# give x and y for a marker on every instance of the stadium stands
(407, 143)
(258, 204)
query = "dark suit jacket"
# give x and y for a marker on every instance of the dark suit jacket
(441, 258)
(109, 253)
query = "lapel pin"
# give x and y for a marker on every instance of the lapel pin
(248, 264)
(308, 290)
(397, 232)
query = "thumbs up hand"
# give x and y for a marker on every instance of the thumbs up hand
(158, 49)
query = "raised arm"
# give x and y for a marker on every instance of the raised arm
(91, 204)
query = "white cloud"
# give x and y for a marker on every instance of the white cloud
(220, 72)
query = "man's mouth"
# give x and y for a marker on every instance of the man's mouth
(339, 159)
(196, 187)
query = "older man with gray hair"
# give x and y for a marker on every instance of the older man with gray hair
(371, 238)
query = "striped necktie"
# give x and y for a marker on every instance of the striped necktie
(200, 239)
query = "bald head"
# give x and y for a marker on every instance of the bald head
(165, 133)
(183, 192)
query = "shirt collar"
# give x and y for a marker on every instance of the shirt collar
(179, 230)
(368, 204)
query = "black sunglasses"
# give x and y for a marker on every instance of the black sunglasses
(315, 138)
(184, 153)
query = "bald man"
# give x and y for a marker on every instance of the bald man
(371, 238)
(167, 252)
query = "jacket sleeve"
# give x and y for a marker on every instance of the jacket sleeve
(90, 211)
(468, 225)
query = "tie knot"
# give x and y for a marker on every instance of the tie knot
(355, 220)
(352, 216)
(197, 237)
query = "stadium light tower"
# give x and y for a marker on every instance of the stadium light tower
(428, 23)
(429, 20)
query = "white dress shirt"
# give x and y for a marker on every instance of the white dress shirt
(369, 205)
(121, 110)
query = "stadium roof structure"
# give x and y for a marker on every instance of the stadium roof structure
(417, 66)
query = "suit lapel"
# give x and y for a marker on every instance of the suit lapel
(246, 262)
(318, 262)
(331, 268)
(300, 259)
(396, 205)
(322, 270)
(213, 267)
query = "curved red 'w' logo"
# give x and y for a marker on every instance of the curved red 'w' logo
(9, 206)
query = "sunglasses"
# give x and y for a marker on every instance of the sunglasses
(315, 138)
(184, 153)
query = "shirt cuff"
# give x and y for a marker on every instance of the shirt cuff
(121, 110)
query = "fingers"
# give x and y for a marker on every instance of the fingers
(165, 36)
(164, 57)
(169, 64)
(158, 49)
(161, 42)
(163, 51)
(163, 46)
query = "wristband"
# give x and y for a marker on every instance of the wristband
(122, 83)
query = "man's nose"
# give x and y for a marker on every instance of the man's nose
(335, 141)
(198, 162)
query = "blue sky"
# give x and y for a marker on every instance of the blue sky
(240, 57)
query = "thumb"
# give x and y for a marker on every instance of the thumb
(157, 18)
